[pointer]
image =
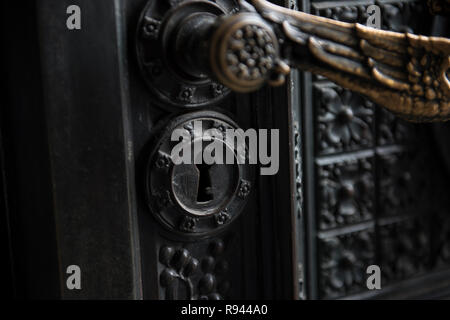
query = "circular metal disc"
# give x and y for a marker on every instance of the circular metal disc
(166, 82)
(173, 190)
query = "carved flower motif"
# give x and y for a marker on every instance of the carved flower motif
(346, 191)
(345, 120)
(348, 274)
(345, 13)
(222, 217)
(186, 94)
(217, 89)
(251, 53)
(344, 260)
(188, 223)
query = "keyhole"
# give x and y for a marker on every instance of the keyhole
(204, 192)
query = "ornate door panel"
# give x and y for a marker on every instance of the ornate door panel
(98, 123)
(375, 187)
(87, 179)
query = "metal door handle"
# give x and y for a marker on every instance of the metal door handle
(406, 73)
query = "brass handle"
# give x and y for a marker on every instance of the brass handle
(406, 73)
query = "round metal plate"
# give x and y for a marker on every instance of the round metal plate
(166, 82)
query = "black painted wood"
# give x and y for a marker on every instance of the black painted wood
(69, 143)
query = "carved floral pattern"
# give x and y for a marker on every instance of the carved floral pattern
(405, 249)
(188, 224)
(343, 263)
(244, 188)
(222, 217)
(184, 276)
(412, 237)
(344, 120)
(346, 193)
(186, 93)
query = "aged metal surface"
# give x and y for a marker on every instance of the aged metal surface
(406, 73)
(196, 199)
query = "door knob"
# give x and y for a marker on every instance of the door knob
(258, 42)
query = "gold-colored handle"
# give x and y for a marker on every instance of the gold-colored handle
(406, 73)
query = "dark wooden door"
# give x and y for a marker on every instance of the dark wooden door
(355, 186)
(375, 187)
